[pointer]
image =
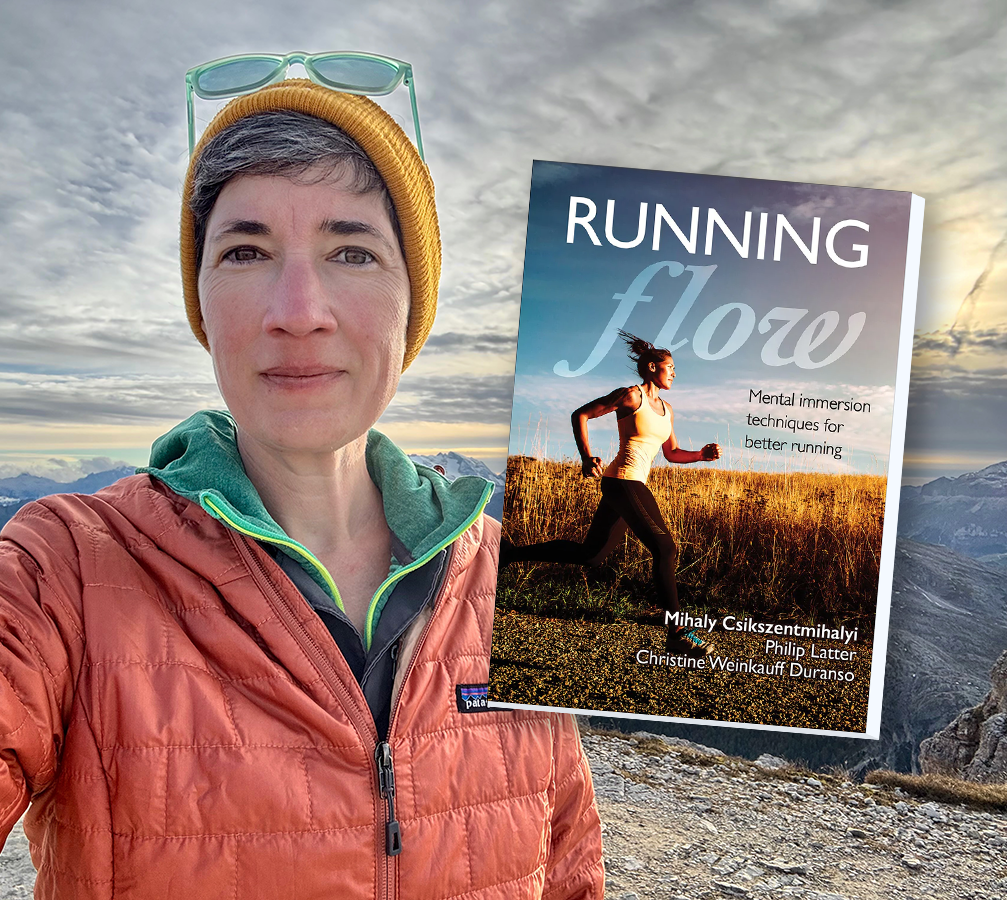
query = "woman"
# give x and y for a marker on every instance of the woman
(646, 424)
(257, 668)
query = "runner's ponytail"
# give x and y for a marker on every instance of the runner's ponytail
(643, 353)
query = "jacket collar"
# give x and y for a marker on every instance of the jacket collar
(199, 460)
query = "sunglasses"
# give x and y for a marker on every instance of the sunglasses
(342, 70)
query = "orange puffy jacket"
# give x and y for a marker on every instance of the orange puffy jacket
(185, 727)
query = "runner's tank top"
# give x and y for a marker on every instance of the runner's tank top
(640, 437)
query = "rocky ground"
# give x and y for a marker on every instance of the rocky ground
(17, 875)
(683, 822)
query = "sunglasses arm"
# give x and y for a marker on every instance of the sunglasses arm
(416, 115)
(191, 115)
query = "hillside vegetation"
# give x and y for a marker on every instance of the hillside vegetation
(781, 546)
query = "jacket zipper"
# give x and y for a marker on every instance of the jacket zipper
(422, 561)
(386, 787)
(260, 535)
(423, 636)
(364, 726)
(382, 751)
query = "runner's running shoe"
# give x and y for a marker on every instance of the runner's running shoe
(686, 643)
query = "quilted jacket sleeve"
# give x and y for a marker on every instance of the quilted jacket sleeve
(575, 870)
(39, 634)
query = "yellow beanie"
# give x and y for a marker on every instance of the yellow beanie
(394, 156)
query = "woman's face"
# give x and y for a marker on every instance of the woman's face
(304, 295)
(662, 373)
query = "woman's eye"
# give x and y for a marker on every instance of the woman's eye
(355, 256)
(242, 254)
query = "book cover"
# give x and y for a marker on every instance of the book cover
(705, 449)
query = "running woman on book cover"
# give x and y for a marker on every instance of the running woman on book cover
(646, 424)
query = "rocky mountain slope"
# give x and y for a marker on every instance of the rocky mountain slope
(967, 514)
(949, 625)
(974, 746)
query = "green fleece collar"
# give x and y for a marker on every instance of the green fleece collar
(199, 460)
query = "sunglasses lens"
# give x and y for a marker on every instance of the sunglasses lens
(350, 73)
(239, 75)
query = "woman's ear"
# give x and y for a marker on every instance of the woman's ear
(652, 367)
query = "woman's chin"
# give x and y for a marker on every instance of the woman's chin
(304, 432)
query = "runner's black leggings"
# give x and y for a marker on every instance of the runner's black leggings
(624, 503)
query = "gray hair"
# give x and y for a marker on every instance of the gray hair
(283, 143)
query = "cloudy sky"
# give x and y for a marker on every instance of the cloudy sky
(96, 359)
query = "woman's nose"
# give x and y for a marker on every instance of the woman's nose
(300, 303)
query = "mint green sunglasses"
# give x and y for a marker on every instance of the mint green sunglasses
(341, 70)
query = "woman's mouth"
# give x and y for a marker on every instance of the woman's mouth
(301, 376)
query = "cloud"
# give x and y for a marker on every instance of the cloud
(956, 412)
(953, 341)
(436, 398)
(61, 469)
(126, 400)
(486, 341)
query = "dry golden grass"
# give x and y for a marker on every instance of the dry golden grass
(944, 789)
(793, 546)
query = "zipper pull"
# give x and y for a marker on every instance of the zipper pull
(386, 787)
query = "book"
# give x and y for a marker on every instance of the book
(745, 578)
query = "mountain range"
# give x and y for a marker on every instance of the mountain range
(967, 514)
(18, 490)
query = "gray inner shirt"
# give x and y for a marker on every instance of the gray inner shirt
(374, 669)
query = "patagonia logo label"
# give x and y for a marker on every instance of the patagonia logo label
(472, 697)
